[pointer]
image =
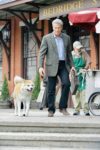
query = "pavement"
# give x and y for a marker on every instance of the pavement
(41, 116)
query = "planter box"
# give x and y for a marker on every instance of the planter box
(35, 105)
(4, 104)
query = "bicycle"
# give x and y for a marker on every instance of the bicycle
(93, 91)
(92, 78)
(94, 103)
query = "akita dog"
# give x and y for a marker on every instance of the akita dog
(22, 95)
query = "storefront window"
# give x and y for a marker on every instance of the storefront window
(85, 40)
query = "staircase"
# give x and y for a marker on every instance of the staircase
(38, 132)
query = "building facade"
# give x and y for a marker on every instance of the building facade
(22, 26)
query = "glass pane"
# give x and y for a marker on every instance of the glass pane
(30, 55)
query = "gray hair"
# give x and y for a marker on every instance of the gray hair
(57, 21)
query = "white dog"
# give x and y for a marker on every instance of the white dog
(22, 94)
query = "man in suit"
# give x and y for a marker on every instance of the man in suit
(56, 48)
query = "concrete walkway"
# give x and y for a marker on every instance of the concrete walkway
(41, 116)
(39, 126)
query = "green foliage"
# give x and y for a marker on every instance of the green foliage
(36, 89)
(5, 91)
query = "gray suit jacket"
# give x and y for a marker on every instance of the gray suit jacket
(48, 49)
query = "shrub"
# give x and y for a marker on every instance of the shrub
(4, 90)
(36, 89)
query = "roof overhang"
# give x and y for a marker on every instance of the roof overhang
(18, 6)
(14, 3)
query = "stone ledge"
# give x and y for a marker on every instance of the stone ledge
(4, 104)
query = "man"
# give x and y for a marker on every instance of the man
(56, 48)
(81, 62)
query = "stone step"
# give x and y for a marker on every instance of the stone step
(50, 140)
(37, 121)
(53, 127)
(41, 148)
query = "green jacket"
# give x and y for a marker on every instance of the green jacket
(80, 62)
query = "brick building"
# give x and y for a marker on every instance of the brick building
(22, 26)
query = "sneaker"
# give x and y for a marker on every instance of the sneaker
(87, 114)
(76, 113)
(50, 114)
(64, 112)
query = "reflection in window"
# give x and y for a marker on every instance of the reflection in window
(85, 40)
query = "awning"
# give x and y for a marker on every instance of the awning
(85, 18)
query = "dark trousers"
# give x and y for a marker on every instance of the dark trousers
(65, 85)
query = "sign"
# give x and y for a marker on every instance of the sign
(97, 82)
(97, 27)
(64, 8)
(6, 1)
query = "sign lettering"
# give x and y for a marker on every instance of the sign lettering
(63, 8)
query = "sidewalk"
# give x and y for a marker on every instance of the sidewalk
(40, 132)
(41, 116)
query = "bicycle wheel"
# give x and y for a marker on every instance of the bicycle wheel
(94, 103)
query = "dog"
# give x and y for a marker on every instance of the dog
(22, 95)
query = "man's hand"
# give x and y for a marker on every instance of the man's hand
(83, 70)
(41, 72)
(72, 69)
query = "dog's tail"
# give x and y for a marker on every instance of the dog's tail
(18, 79)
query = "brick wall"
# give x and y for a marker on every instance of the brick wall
(16, 51)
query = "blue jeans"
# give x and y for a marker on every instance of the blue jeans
(65, 85)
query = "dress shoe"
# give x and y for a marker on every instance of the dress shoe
(50, 114)
(41, 108)
(64, 112)
(76, 113)
(87, 114)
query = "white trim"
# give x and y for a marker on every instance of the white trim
(97, 27)
(6, 1)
